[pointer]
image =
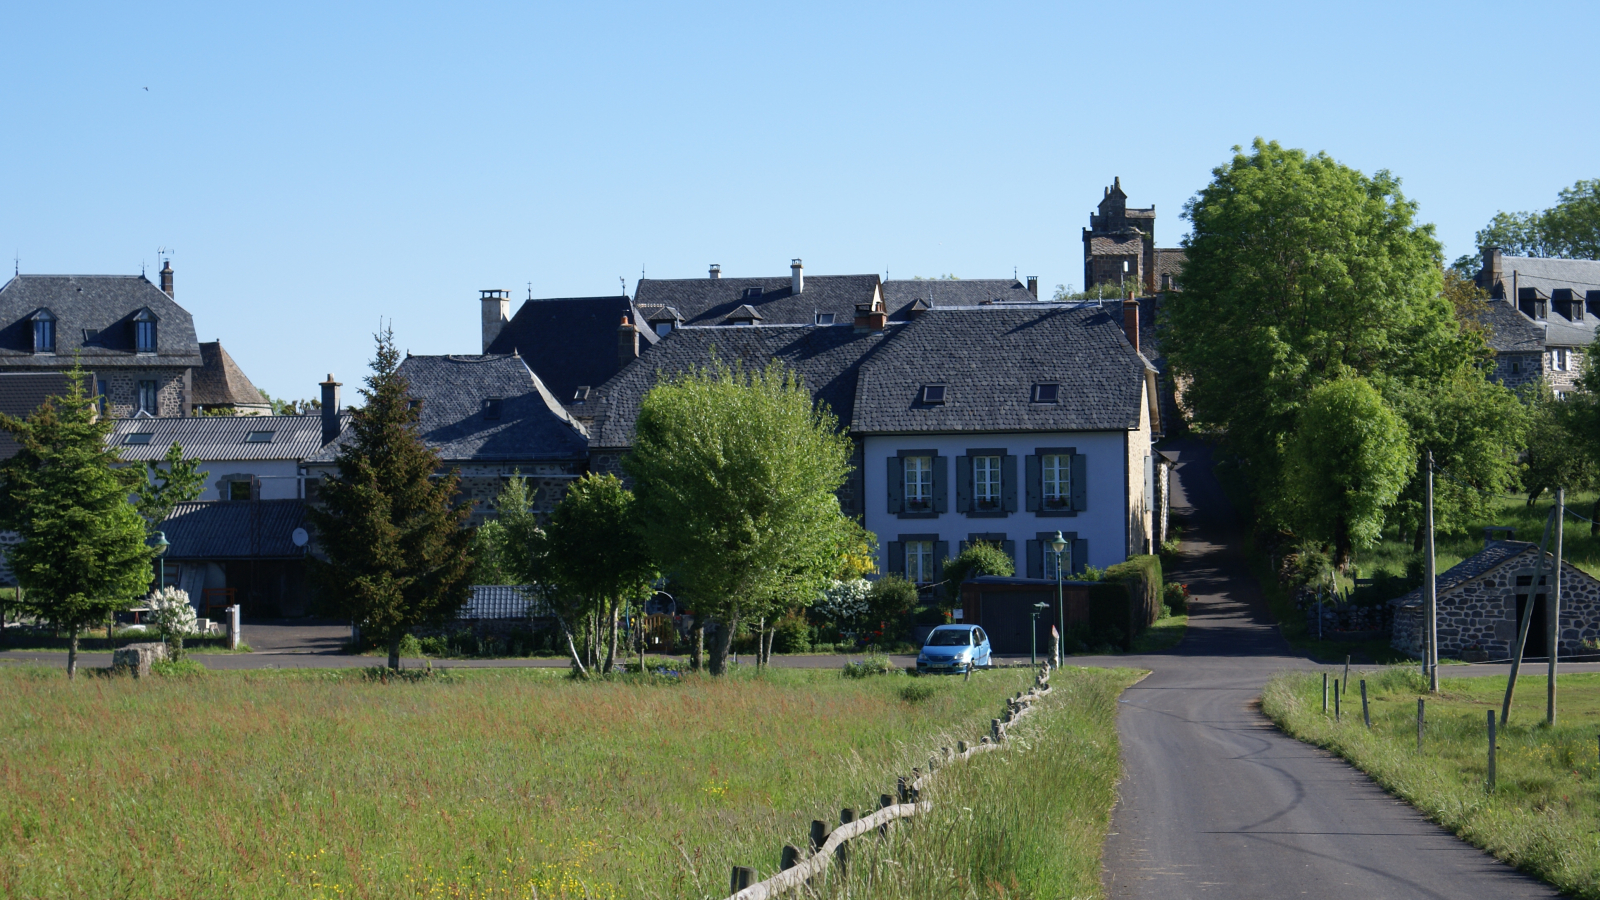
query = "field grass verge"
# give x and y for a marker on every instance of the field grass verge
(1541, 817)
(479, 783)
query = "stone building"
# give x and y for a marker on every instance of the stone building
(1541, 318)
(1119, 247)
(1481, 599)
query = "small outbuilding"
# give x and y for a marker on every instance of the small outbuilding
(1004, 608)
(1481, 601)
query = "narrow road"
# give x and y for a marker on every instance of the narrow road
(1217, 803)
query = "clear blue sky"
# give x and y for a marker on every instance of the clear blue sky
(320, 166)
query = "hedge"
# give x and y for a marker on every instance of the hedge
(1129, 596)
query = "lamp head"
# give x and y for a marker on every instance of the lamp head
(1058, 543)
(161, 545)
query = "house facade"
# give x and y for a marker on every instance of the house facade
(243, 458)
(1541, 318)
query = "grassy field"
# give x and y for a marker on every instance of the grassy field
(492, 783)
(1580, 548)
(1541, 817)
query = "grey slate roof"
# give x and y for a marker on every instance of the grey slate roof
(20, 394)
(222, 529)
(708, 301)
(220, 382)
(990, 357)
(1548, 274)
(898, 295)
(218, 438)
(1492, 556)
(453, 418)
(1509, 331)
(570, 341)
(94, 317)
(826, 357)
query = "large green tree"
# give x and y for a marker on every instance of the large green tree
(397, 556)
(735, 473)
(83, 553)
(1301, 271)
(1569, 229)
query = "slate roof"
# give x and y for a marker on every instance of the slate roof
(1169, 261)
(219, 438)
(570, 341)
(222, 529)
(1492, 556)
(1121, 244)
(708, 301)
(937, 292)
(454, 418)
(827, 357)
(20, 394)
(990, 357)
(1548, 274)
(220, 382)
(94, 318)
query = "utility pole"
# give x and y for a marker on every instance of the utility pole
(1432, 650)
(1553, 612)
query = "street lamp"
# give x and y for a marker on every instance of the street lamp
(1039, 607)
(161, 546)
(1057, 544)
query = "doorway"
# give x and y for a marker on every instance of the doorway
(1538, 629)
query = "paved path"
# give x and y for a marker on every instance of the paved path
(1218, 803)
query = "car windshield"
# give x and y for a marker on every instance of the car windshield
(952, 638)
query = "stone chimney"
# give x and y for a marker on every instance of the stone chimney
(870, 317)
(1033, 286)
(496, 313)
(330, 410)
(716, 271)
(1492, 272)
(797, 277)
(166, 277)
(627, 343)
(1130, 321)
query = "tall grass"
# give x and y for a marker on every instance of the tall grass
(1541, 816)
(493, 783)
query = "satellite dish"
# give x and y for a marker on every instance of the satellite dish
(300, 537)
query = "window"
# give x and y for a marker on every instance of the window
(1056, 470)
(239, 490)
(259, 437)
(933, 393)
(147, 397)
(919, 561)
(44, 333)
(491, 408)
(144, 332)
(1558, 360)
(919, 483)
(663, 328)
(137, 439)
(824, 318)
(1516, 367)
(1045, 393)
(752, 293)
(986, 482)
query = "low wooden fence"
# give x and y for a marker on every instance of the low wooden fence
(827, 846)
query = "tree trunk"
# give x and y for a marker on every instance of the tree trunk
(572, 647)
(720, 647)
(697, 644)
(766, 649)
(761, 640)
(611, 646)
(1417, 541)
(72, 655)
(394, 653)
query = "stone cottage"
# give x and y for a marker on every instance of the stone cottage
(1481, 601)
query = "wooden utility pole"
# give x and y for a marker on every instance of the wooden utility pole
(1553, 612)
(1432, 585)
(1527, 620)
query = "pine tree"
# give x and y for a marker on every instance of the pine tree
(397, 555)
(83, 554)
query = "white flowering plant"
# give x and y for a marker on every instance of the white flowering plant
(843, 602)
(173, 617)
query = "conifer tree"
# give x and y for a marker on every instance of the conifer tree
(397, 555)
(83, 554)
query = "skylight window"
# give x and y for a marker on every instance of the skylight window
(933, 393)
(138, 438)
(824, 318)
(259, 437)
(1045, 393)
(752, 293)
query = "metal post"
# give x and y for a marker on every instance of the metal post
(1033, 641)
(233, 627)
(1324, 693)
(1366, 714)
(1490, 786)
(1420, 716)
(1336, 699)
(1061, 606)
(1429, 579)
(1553, 612)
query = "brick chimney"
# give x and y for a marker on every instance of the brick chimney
(797, 277)
(1492, 272)
(496, 313)
(166, 277)
(627, 343)
(330, 410)
(716, 271)
(1130, 321)
(870, 317)
(1033, 286)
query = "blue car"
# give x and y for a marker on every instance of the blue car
(954, 648)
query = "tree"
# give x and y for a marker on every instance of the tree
(161, 489)
(489, 565)
(1346, 463)
(83, 554)
(1301, 271)
(980, 558)
(889, 600)
(1557, 432)
(397, 556)
(735, 474)
(593, 553)
(1570, 229)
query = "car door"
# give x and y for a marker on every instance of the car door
(982, 652)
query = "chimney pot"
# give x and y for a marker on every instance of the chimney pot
(330, 410)
(1033, 286)
(1130, 322)
(797, 277)
(716, 270)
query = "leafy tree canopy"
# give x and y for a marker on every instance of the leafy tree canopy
(980, 558)
(1570, 229)
(163, 488)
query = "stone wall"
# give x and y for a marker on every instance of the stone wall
(546, 482)
(122, 390)
(1482, 612)
(1340, 618)
(1517, 369)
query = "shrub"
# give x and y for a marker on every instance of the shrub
(410, 646)
(930, 615)
(173, 618)
(917, 691)
(1141, 578)
(174, 668)
(872, 665)
(981, 558)
(889, 601)
(791, 635)
(843, 603)
(1176, 597)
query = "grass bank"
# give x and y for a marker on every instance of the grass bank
(488, 783)
(1541, 817)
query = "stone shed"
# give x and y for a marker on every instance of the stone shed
(1481, 599)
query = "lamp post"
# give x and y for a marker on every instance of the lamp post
(1057, 544)
(161, 546)
(1039, 607)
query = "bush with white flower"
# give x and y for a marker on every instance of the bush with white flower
(173, 616)
(843, 602)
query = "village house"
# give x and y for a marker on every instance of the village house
(573, 344)
(1541, 318)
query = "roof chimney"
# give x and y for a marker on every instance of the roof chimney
(1130, 322)
(1033, 286)
(627, 343)
(496, 313)
(166, 277)
(716, 271)
(1490, 276)
(330, 410)
(797, 277)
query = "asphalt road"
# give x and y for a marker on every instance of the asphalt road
(1217, 803)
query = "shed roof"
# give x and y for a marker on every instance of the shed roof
(94, 320)
(222, 437)
(1494, 555)
(221, 529)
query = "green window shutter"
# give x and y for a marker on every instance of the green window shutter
(897, 559)
(941, 484)
(1008, 483)
(1080, 554)
(964, 484)
(897, 489)
(1035, 484)
(941, 549)
(1035, 558)
(1080, 482)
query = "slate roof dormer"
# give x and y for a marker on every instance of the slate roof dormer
(94, 320)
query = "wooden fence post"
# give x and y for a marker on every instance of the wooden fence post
(819, 834)
(884, 802)
(1336, 699)
(789, 858)
(1490, 786)
(994, 729)
(1324, 693)
(1366, 714)
(743, 877)
(1420, 715)
(846, 816)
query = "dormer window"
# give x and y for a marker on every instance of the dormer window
(491, 408)
(824, 318)
(1045, 393)
(933, 394)
(44, 332)
(663, 329)
(144, 332)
